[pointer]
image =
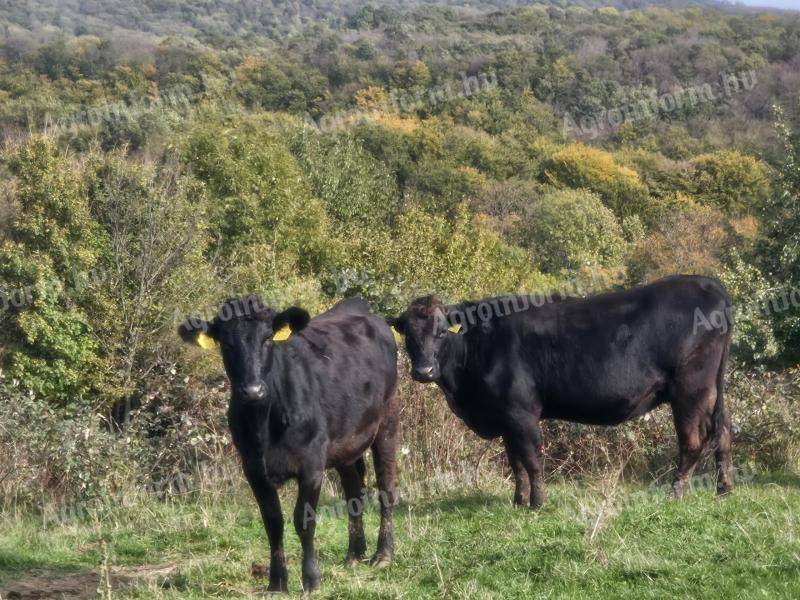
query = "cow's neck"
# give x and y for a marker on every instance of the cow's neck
(452, 362)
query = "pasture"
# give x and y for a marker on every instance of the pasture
(594, 538)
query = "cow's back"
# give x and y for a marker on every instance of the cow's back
(344, 361)
(586, 358)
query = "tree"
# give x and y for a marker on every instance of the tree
(581, 166)
(570, 229)
(53, 250)
(353, 185)
(267, 223)
(731, 180)
(780, 247)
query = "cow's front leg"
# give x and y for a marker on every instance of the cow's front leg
(305, 519)
(522, 485)
(270, 505)
(525, 438)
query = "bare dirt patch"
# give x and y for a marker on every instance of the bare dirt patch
(76, 585)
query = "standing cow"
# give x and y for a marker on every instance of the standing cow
(598, 360)
(317, 400)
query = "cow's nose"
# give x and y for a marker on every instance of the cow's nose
(254, 392)
(426, 371)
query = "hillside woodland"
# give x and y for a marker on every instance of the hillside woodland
(161, 156)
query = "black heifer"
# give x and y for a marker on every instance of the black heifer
(319, 399)
(599, 360)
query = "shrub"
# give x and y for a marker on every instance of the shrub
(267, 223)
(730, 180)
(353, 185)
(50, 343)
(581, 166)
(691, 241)
(568, 229)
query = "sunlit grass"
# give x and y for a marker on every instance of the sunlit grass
(590, 541)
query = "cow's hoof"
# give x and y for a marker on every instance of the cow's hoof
(724, 489)
(278, 586)
(259, 570)
(310, 584)
(380, 561)
(351, 560)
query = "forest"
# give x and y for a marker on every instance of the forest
(160, 157)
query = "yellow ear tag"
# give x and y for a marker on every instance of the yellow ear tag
(396, 334)
(282, 334)
(205, 341)
(454, 328)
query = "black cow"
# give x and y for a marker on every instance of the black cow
(599, 360)
(319, 399)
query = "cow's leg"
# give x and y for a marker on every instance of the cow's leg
(270, 505)
(383, 454)
(305, 519)
(525, 437)
(353, 484)
(723, 457)
(522, 485)
(692, 415)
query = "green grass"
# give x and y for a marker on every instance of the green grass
(590, 541)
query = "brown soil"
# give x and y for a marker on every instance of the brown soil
(76, 585)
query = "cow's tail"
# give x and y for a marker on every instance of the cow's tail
(718, 416)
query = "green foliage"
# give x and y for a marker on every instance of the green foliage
(354, 186)
(50, 344)
(779, 249)
(155, 216)
(754, 302)
(571, 229)
(457, 259)
(730, 180)
(263, 218)
(580, 166)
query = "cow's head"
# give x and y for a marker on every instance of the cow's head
(425, 327)
(246, 331)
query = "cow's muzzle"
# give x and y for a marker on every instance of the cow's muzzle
(254, 392)
(425, 373)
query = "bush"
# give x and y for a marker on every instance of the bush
(50, 343)
(266, 222)
(354, 186)
(730, 180)
(691, 241)
(581, 166)
(570, 229)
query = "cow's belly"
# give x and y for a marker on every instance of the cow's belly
(348, 449)
(604, 409)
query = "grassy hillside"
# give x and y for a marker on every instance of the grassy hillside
(593, 540)
(160, 157)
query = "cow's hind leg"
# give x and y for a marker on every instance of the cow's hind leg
(522, 485)
(353, 484)
(723, 456)
(692, 416)
(383, 454)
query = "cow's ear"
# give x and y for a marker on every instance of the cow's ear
(198, 333)
(294, 318)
